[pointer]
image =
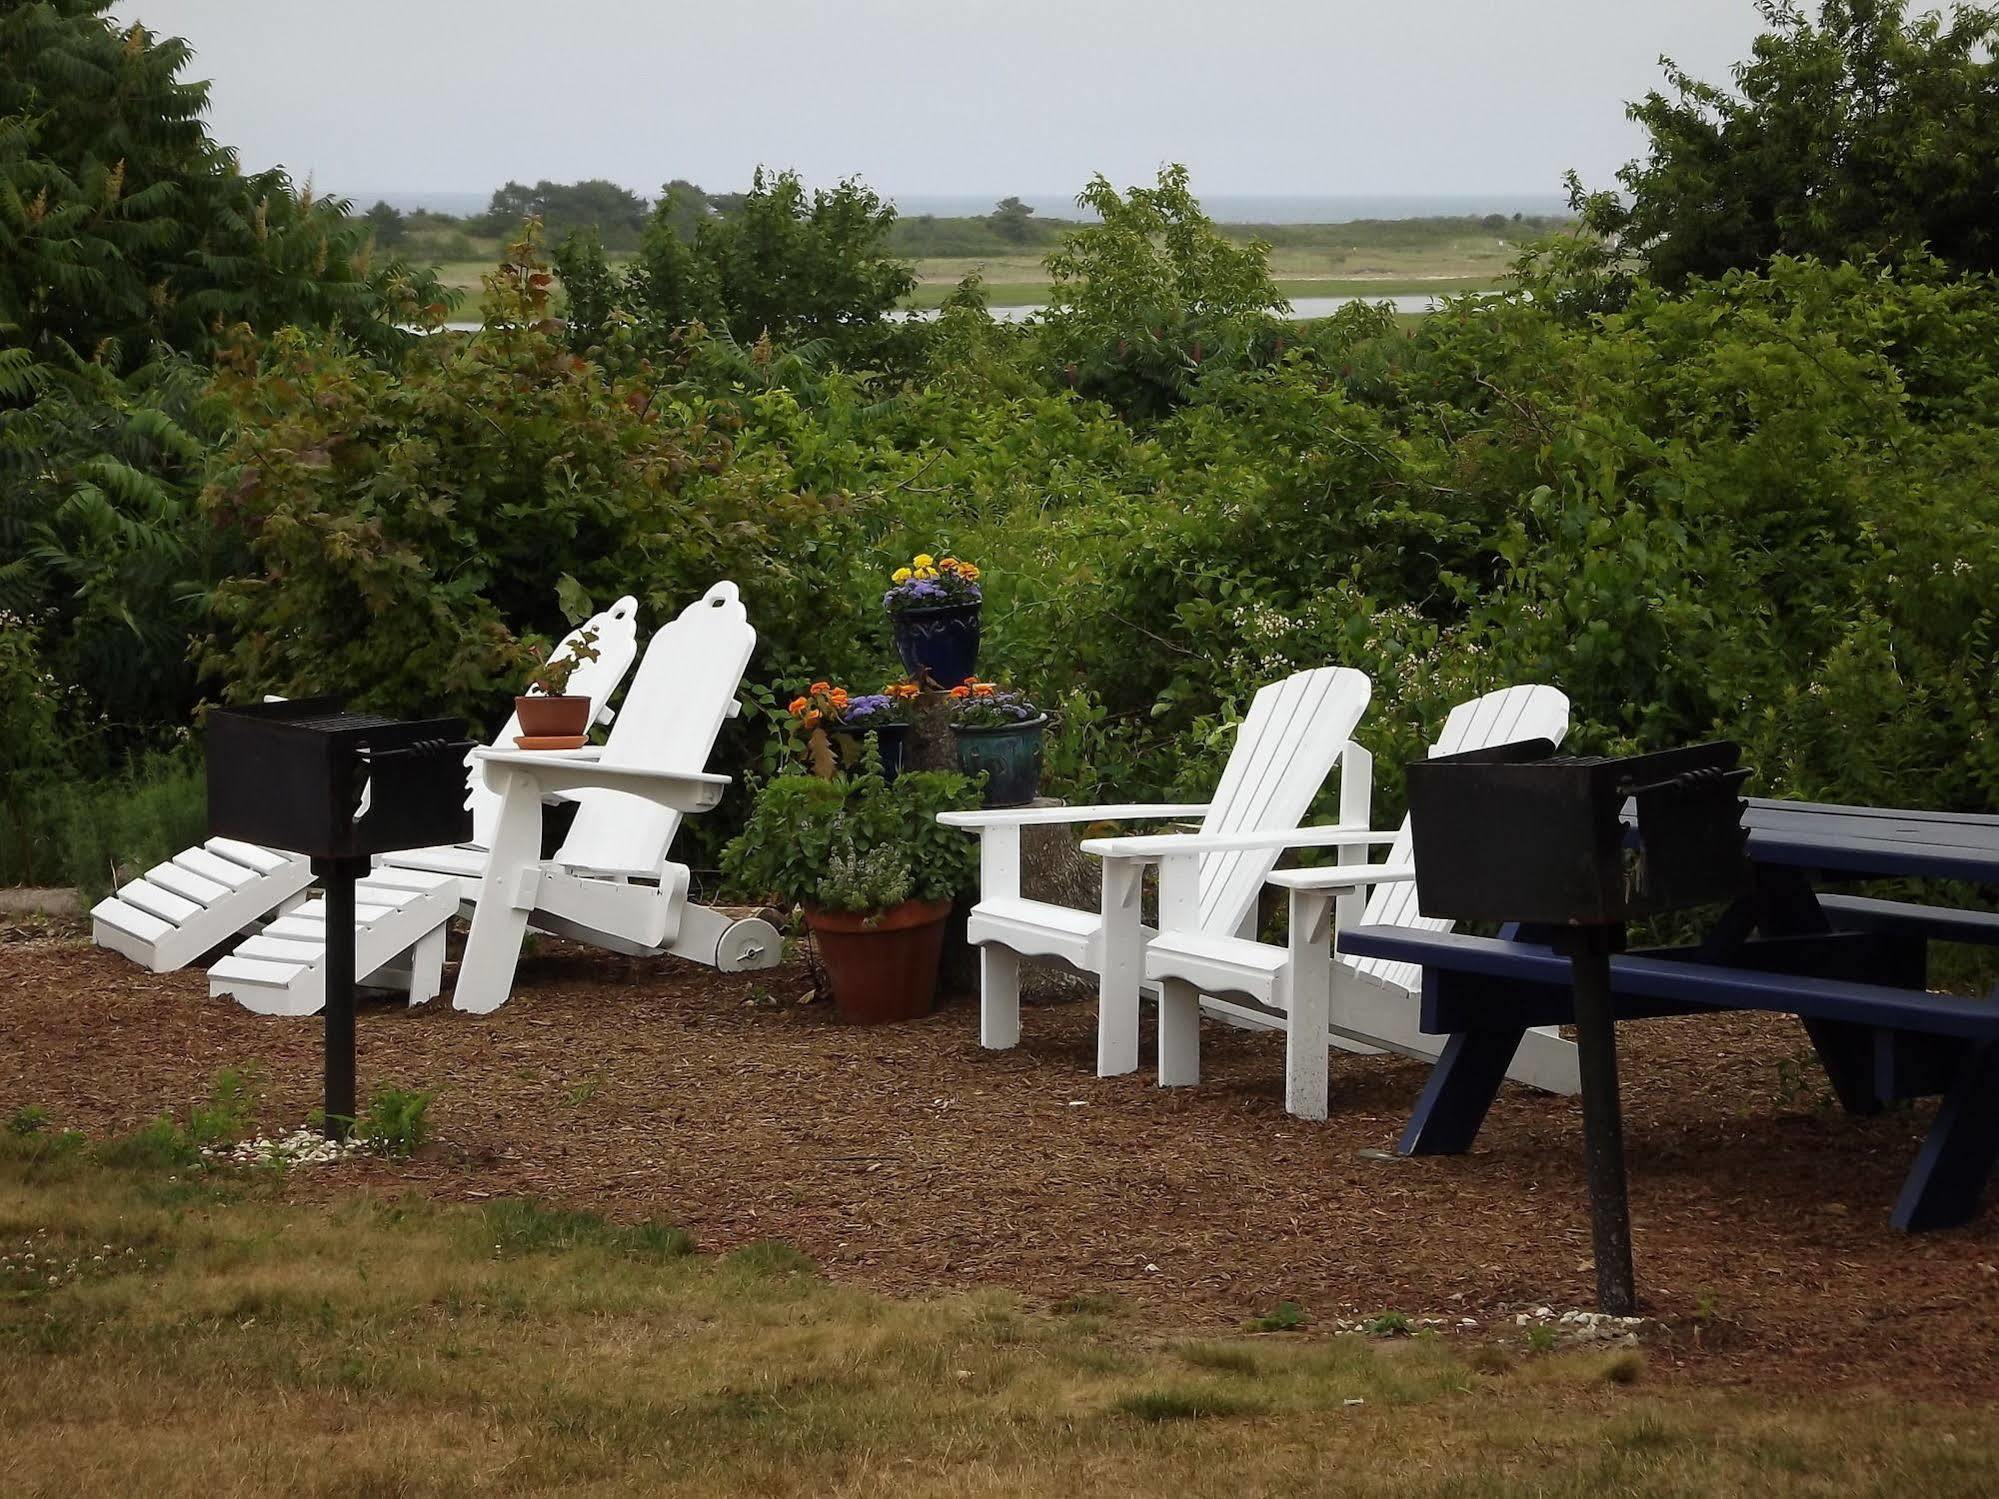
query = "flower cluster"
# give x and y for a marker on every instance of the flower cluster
(987, 705)
(931, 583)
(824, 706)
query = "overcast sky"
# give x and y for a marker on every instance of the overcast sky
(943, 96)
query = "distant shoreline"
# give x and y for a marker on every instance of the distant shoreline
(1223, 208)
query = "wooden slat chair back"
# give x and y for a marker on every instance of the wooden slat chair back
(684, 691)
(1502, 717)
(617, 642)
(1284, 750)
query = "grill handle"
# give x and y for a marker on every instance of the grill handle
(1706, 775)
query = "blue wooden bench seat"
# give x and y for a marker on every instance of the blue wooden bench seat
(1485, 992)
(1860, 913)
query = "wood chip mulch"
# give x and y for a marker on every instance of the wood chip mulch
(907, 1159)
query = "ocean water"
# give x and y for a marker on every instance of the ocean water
(1226, 208)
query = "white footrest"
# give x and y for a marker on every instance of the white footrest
(197, 901)
(281, 971)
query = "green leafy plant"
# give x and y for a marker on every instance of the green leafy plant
(1286, 1316)
(396, 1120)
(1388, 1325)
(552, 677)
(849, 842)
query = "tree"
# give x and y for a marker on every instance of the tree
(131, 246)
(1867, 133)
(1012, 220)
(787, 263)
(388, 225)
(126, 232)
(1147, 299)
(617, 213)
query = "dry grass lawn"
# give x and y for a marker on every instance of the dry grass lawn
(200, 1335)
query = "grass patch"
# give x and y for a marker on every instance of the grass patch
(194, 1345)
(517, 1227)
(1185, 1403)
(69, 832)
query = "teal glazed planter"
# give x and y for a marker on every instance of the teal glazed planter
(1010, 757)
(939, 647)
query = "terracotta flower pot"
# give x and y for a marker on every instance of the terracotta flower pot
(882, 965)
(543, 718)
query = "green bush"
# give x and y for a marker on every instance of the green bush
(854, 843)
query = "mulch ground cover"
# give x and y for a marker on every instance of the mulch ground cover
(908, 1159)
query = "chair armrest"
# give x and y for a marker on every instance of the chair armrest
(1020, 817)
(1342, 876)
(570, 770)
(1165, 845)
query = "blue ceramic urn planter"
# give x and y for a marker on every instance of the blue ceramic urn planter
(1010, 756)
(939, 647)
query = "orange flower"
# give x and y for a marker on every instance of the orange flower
(800, 704)
(839, 697)
(961, 691)
(818, 687)
(812, 718)
(984, 689)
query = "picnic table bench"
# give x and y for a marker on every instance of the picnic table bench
(1852, 968)
(1486, 992)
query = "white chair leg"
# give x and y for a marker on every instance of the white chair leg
(500, 923)
(427, 966)
(1308, 997)
(1179, 1034)
(999, 996)
(1123, 964)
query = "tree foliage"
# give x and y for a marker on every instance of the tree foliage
(1865, 132)
(127, 233)
(782, 263)
(617, 214)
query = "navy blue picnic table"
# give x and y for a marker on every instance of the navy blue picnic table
(1853, 969)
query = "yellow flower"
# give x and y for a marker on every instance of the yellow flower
(900, 575)
(926, 572)
(923, 560)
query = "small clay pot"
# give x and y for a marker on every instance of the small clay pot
(544, 718)
(882, 965)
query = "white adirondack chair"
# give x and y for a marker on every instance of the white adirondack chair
(611, 884)
(1284, 750)
(205, 895)
(1319, 997)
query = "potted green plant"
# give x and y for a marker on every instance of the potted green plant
(998, 733)
(934, 606)
(873, 872)
(831, 728)
(549, 716)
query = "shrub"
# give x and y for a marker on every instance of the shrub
(407, 528)
(847, 843)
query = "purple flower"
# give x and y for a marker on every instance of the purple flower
(861, 709)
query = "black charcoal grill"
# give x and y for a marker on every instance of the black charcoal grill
(339, 787)
(1581, 845)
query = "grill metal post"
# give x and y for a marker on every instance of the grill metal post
(337, 877)
(1589, 950)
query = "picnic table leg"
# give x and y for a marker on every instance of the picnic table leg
(1847, 1054)
(1957, 1157)
(1603, 1122)
(1460, 1091)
